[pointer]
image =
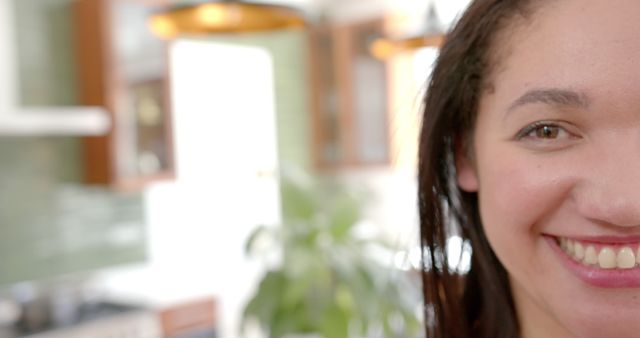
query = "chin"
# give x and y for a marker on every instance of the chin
(604, 320)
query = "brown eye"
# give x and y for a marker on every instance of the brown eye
(548, 135)
(547, 132)
(543, 131)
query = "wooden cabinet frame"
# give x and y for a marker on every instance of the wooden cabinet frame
(103, 82)
(335, 52)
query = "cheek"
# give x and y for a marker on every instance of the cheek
(518, 195)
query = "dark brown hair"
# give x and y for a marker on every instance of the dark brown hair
(479, 303)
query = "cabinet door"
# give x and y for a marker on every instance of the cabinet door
(350, 99)
(124, 68)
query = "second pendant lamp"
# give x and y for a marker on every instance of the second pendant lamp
(431, 36)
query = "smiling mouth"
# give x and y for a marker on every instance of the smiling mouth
(603, 256)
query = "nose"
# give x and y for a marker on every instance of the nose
(609, 188)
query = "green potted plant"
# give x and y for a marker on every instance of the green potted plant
(328, 282)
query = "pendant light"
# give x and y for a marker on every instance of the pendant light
(432, 36)
(227, 16)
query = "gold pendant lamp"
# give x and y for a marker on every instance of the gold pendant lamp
(224, 17)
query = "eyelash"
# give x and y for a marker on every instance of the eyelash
(536, 126)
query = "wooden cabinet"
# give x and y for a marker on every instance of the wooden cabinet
(194, 319)
(349, 97)
(124, 68)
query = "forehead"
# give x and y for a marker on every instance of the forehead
(587, 45)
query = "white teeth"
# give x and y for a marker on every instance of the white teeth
(607, 258)
(578, 251)
(570, 247)
(590, 256)
(625, 259)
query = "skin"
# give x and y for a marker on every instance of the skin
(578, 177)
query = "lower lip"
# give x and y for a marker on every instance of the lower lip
(604, 278)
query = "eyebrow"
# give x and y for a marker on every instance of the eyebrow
(551, 96)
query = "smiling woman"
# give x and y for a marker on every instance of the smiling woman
(530, 152)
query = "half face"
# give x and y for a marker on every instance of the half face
(557, 168)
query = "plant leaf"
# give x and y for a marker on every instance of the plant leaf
(335, 323)
(255, 234)
(265, 303)
(344, 216)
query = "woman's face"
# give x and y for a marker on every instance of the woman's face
(557, 157)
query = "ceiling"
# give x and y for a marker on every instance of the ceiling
(448, 10)
(354, 10)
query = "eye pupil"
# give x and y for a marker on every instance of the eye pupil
(548, 132)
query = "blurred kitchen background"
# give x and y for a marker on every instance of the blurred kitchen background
(228, 170)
